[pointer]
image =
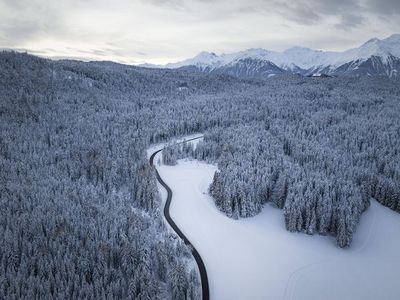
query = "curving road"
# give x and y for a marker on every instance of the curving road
(196, 255)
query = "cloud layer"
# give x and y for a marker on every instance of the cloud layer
(160, 31)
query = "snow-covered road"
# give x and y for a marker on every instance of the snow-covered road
(257, 258)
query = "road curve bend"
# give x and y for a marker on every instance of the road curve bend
(195, 253)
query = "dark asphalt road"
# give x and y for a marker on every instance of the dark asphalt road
(196, 255)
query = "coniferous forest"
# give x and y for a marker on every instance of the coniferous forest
(80, 213)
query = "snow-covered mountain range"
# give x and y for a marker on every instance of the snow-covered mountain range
(374, 58)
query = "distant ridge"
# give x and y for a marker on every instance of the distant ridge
(374, 58)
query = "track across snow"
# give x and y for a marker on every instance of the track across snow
(256, 258)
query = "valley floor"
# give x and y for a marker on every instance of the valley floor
(257, 258)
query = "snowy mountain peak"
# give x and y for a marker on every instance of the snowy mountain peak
(393, 38)
(298, 49)
(202, 60)
(301, 60)
(374, 47)
(255, 52)
(205, 55)
(372, 41)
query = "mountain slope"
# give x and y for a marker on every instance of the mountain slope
(374, 58)
(250, 68)
(372, 66)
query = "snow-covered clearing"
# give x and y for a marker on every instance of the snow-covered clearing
(257, 258)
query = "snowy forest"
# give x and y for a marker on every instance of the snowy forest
(80, 212)
(319, 150)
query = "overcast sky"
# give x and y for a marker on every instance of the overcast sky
(160, 31)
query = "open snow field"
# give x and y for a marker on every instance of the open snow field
(257, 258)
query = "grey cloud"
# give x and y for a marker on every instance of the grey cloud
(310, 12)
(19, 31)
(307, 12)
(101, 52)
(170, 3)
(298, 13)
(350, 21)
(95, 52)
(334, 7)
(384, 7)
(24, 20)
(14, 4)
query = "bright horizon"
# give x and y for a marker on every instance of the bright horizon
(163, 31)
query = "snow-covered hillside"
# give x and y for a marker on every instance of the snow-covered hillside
(375, 57)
